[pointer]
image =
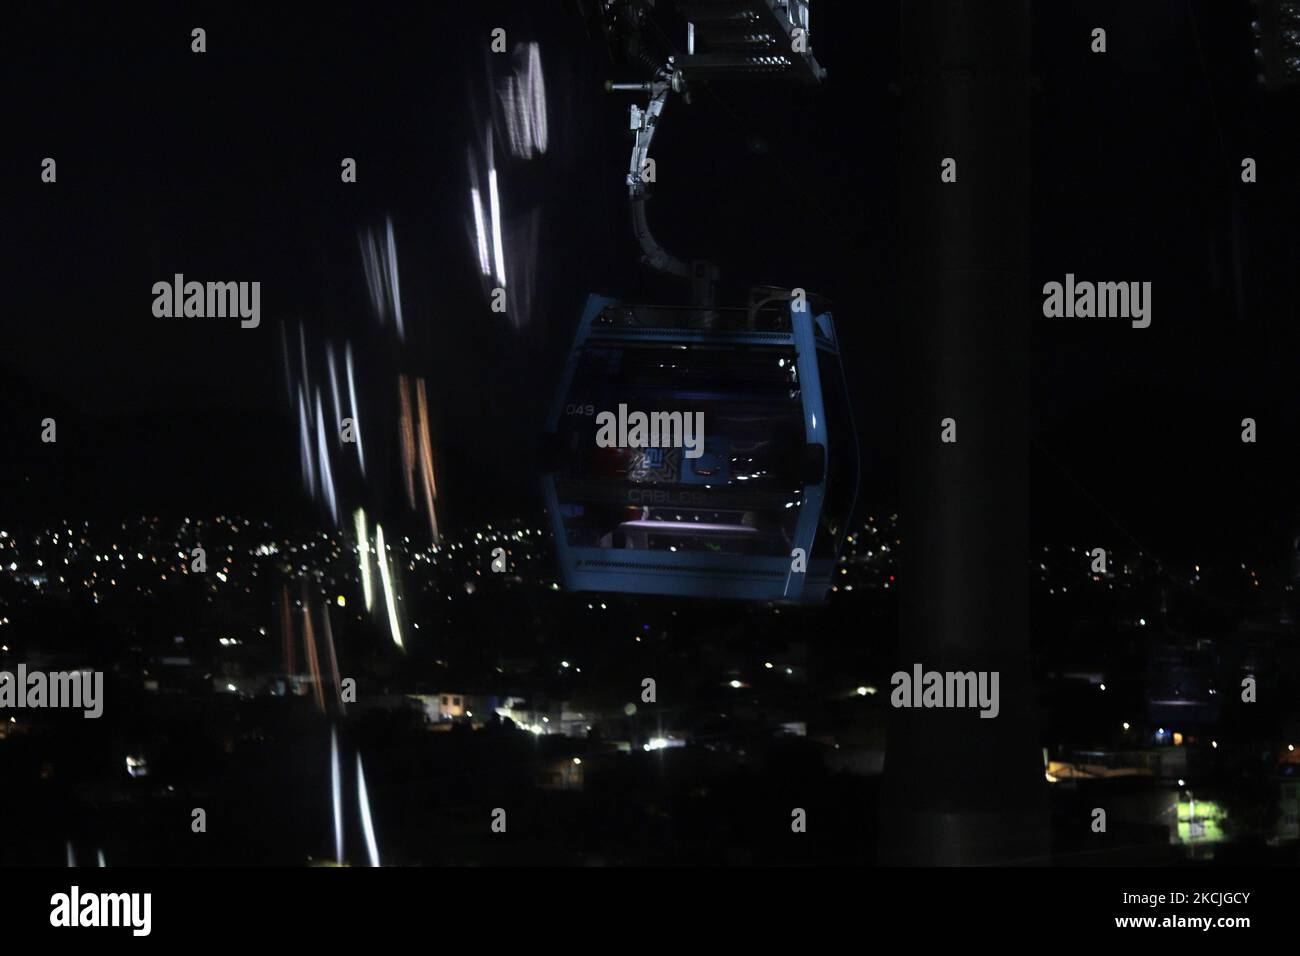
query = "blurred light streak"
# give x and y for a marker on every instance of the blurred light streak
(385, 576)
(302, 355)
(480, 230)
(356, 416)
(407, 433)
(506, 262)
(370, 262)
(334, 661)
(394, 286)
(99, 856)
(334, 390)
(498, 250)
(523, 101)
(72, 857)
(426, 459)
(363, 555)
(309, 647)
(337, 786)
(322, 450)
(524, 239)
(304, 445)
(366, 822)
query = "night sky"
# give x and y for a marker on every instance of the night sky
(225, 166)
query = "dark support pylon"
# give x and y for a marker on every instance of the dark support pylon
(959, 788)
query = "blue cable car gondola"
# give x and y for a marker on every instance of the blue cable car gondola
(757, 508)
(761, 513)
